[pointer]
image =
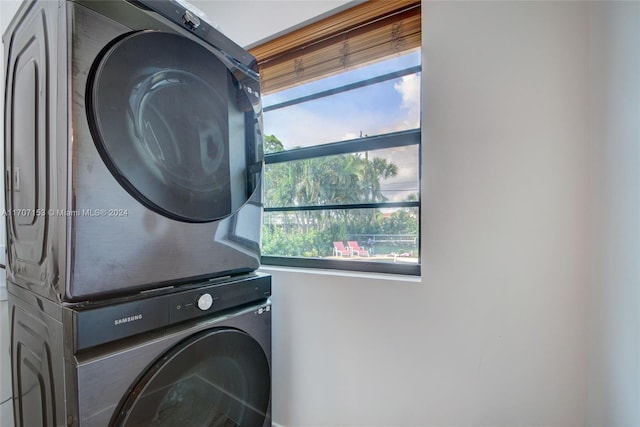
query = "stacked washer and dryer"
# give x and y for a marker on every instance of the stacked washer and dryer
(133, 173)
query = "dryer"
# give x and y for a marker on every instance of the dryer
(133, 149)
(200, 356)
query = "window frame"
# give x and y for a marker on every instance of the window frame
(301, 41)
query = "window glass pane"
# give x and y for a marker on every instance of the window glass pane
(385, 107)
(348, 170)
(382, 235)
(387, 175)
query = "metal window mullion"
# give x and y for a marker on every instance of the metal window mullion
(412, 204)
(368, 143)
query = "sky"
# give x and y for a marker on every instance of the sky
(381, 108)
(386, 107)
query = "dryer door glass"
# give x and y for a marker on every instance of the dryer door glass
(177, 124)
(217, 378)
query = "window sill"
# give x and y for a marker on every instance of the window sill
(387, 277)
(359, 265)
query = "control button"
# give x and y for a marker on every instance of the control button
(205, 301)
(190, 20)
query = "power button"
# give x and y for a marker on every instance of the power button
(205, 301)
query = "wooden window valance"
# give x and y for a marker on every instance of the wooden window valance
(367, 32)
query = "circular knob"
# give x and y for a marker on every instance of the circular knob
(205, 301)
(190, 19)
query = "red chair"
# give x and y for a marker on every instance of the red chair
(356, 249)
(340, 250)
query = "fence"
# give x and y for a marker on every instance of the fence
(384, 244)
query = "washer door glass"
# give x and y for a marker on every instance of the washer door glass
(175, 126)
(217, 378)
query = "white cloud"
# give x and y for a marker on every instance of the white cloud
(409, 89)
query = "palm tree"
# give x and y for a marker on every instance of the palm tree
(331, 180)
(377, 170)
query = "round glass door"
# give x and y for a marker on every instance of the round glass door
(217, 378)
(175, 126)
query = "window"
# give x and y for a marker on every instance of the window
(341, 102)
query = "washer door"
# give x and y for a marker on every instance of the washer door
(216, 378)
(175, 126)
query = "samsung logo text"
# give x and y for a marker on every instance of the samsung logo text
(127, 319)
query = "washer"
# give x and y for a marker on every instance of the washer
(133, 149)
(197, 357)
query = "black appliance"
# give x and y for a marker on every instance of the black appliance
(199, 356)
(133, 149)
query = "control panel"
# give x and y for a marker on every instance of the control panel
(141, 313)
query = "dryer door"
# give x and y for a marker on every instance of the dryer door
(216, 378)
(177, 124)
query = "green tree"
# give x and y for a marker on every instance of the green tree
(272, 144)
(331, 180)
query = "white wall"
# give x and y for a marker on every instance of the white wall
(250, 21)
(614, 366)
(495, 331)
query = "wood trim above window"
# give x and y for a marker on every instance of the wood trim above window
(364, 33)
